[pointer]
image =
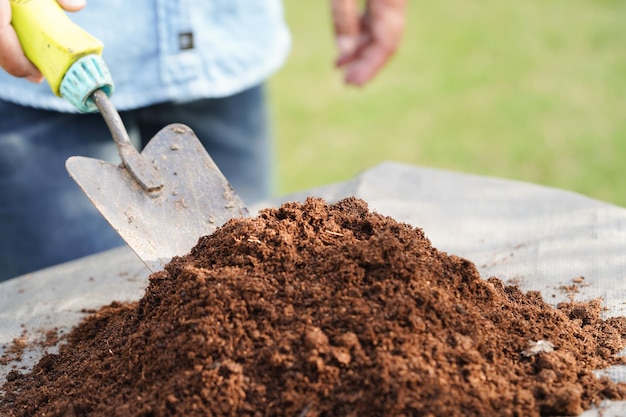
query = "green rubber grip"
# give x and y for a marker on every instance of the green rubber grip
(50, 39)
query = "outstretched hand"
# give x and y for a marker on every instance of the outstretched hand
(12, 58)
(366, 39)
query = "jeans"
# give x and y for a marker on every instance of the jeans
(45, 219)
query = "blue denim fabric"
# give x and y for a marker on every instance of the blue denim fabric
(174, 50)
(45, 219)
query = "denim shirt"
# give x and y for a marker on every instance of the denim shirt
(173, 50)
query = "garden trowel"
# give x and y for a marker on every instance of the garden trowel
(161, 200)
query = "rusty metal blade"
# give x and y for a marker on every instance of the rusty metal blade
(195, 198)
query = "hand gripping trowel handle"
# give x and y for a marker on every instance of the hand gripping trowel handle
(71, 61)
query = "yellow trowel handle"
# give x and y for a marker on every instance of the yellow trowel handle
(55, 44)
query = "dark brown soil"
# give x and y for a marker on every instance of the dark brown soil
(14, 351)
(325, 310)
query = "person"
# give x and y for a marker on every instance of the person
(200, 63)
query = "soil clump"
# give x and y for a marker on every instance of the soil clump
(316, 309)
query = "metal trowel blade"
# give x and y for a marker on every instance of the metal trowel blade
(194, 201)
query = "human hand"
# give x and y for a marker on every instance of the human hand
(367, 39)
(12, 58)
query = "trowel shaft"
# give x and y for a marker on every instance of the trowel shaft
(142, 171)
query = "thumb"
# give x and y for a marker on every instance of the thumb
(72, 5)
(346, 19)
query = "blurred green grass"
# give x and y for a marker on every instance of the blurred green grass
(533, 91)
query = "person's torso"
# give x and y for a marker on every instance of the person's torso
(174, 50)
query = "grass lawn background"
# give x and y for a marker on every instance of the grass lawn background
(532, 90)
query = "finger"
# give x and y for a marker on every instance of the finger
(12, 58)
(367, 64)
(72, 5)
(346, 20)
(382, 30)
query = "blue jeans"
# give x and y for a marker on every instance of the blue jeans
(45, 219)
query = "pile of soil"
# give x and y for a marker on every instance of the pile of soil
(325, 310)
